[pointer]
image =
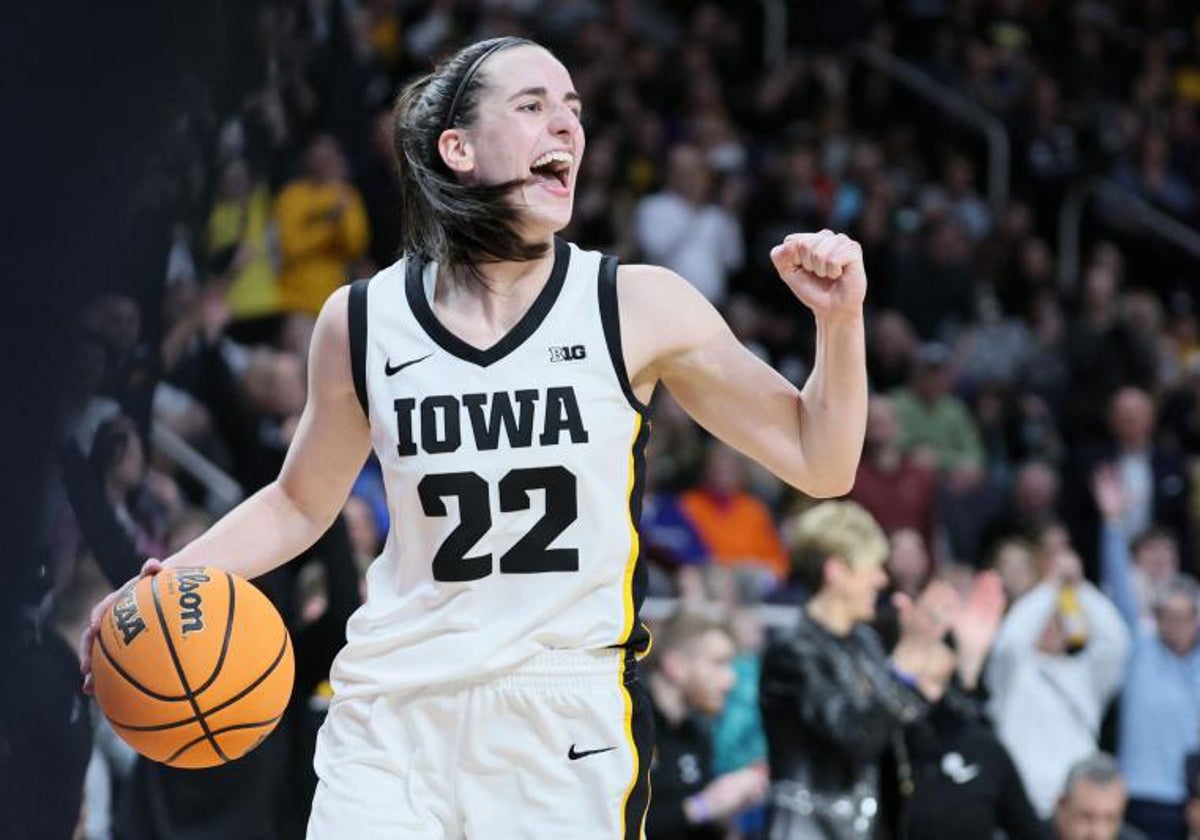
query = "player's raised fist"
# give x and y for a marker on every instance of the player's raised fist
(825, 270)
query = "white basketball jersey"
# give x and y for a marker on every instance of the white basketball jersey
(513, 480)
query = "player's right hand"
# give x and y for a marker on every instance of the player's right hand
(150, 567)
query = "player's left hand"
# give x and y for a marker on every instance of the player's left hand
(825, 270)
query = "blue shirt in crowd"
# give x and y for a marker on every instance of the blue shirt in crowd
(1160, 704)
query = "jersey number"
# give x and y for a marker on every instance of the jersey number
(532, 553)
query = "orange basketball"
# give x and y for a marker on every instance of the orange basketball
(193, 667)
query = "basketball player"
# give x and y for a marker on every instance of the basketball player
(488, 686)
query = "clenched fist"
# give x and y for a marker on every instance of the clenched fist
(825, 270)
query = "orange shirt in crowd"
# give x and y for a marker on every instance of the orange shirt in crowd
(737, 529)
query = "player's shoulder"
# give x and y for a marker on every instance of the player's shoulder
(652, 283)
(661, 299)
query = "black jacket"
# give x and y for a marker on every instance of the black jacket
(831, 709)
(682, 767)
(966, 785)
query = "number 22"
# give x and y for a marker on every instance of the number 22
(532, 553)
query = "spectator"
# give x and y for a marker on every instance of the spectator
(241, 248)
(934, 285)
(934, 424)
(1160, 703)
(1013, 561)
(1047, 702)
(119, 458)
(891, 346)
(1031, 506)
(690, 675)
(1155, 482)
(735, 526)
(898, 489)
(322, 228)
(1104, 354)
(964, 782)
(1092, 804)
(681, 229)
(833, 702)
(957, 198)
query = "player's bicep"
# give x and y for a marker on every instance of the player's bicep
(680, 339)
(332, 439)
(741, 400)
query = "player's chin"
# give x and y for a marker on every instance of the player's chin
(552, 213)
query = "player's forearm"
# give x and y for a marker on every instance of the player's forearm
(834, 408)
(263, 532)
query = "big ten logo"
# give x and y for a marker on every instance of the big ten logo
(565, 353)
(190, 601)
(129, 621)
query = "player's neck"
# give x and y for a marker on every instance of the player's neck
(507, 290)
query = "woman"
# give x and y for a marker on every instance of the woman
(488, 685)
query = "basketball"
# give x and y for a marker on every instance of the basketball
(193, 667)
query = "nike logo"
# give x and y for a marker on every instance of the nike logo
(575, 755)
(390, 371)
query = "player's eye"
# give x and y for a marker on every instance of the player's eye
(531, 107)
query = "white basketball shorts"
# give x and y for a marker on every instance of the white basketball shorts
(558, 748)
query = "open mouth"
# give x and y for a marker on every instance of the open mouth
(553, 168)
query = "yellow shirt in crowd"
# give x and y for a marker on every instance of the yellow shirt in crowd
(318, 241)
(254, 292)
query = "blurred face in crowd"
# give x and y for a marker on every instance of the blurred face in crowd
(749, 632)
(724, 470)
(528, 109)
(960, 176)
(855, 587)
(1014, 563)
(949, 244)
(1036, 488)
(892, 337)
(1177, 622)
(1100, 288)
(324, 161)
(882, 427)
(933, 381)
(702, 669)
(274, 383)
(1091, 811)
(908, 564)
(1131, 418)
(1037, 263)
(1157, 555)
(235, 181)
(688, 175)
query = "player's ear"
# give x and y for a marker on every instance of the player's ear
(457, 150)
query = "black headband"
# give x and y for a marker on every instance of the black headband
(465, 82)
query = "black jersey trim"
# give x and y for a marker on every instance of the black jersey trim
(639, 732)
(358, 341)
(610, 319)
(530, 321)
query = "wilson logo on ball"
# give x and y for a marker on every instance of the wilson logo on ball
(129, 622)
(190, 600)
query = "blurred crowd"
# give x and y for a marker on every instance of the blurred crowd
(1027, 424)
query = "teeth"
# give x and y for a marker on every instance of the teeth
(553, 157)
